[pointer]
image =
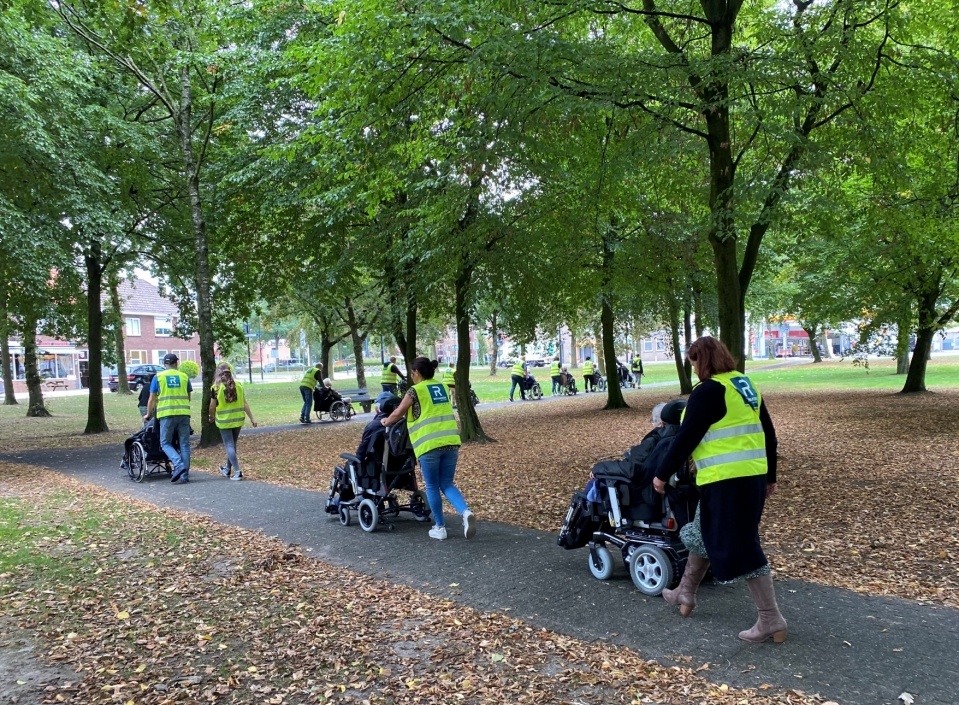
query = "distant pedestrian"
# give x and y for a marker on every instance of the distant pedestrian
(391, 373)
(310, 379)
(228, 407)
(517, 375)
(170, 393)
(636, 367)
(554, 373)
(589, 381)
(449, 379)
(436, 443)
(143, 401)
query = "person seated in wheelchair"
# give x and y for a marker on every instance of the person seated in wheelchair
(527, 384)
(567, 381)
(324, 396)
(384, 405)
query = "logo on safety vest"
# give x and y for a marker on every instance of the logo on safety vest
(746, 390)
(173, 382)
(438, 394)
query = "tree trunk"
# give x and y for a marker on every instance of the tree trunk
(494, 337)
(9, 398)
(687, 332)
(732, 316)
(96, 415)
(826, 345)
(123, 385)
(410, 353)
(614, 399)
(357, 340)
(813, 348)
(698, 310)
(209, 434)
(573, 348)
(916, 377)
(685, 387)
(35, 407)
(470, 427)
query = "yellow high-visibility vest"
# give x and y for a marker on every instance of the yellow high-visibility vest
(734, 446)
(309, 380)
(388, 376)
(230, 414)
(436, 426)
(173, 398)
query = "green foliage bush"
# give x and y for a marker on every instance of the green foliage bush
(189, 368)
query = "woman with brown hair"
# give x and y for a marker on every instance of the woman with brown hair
(228, 407)
(727, 430)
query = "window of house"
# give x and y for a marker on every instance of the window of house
(648, 345)
(186, 355)
(660, 345)
(158, 356)
(163, 326)
(133, 326)
(137, 357)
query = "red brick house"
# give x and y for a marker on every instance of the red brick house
(149, 321)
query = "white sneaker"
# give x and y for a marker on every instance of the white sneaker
(225, 471)
(438, 532)
(469, 524)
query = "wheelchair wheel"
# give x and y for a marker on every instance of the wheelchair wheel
(474, 398)
(600, 562)
(138, 465)
(336, 411)
(536, 392)
(601, 385)
(345, 518)
(651, 569)
(348, 411)
(369, 515)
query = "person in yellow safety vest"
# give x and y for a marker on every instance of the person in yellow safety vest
(517, 375)
(727, 429)
(228, 410)
(391, 373)
(449, 379)
(554, 373)
(307, 385)
(637, 369)
(436, 442)
(170, 393)
(588, 371)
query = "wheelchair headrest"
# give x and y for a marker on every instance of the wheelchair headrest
(672, 413)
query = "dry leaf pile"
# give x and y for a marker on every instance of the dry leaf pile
(868, 480)
(152, 606)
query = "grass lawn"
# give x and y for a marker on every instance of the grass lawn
(204, 612)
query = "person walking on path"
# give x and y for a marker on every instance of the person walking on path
(449, 379)
(730, 435)
(436, 443)
(636, 367)
(143, 401)
(228, 409)
(589, 381)
(170, 393)
(307, 385)
(554, 373)
(391, 373)
(517, 375)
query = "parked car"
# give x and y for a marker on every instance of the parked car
(137, 376)
(283, 365)
(535, 362)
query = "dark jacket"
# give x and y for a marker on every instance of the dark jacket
(374, 429)
(144, 398)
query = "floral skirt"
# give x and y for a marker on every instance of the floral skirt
(692, 537)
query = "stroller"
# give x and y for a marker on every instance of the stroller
(327, 400)
(567, 384)
(621, 508)
(369, 487)
(530, 387)
(142, 454)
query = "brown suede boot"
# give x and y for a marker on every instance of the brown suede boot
(685, 593)
(771, 622)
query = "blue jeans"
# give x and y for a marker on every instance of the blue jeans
(438, 467)
(307, 395)
(391, 388)
(229, 436)
(179, 425)
(517, 381)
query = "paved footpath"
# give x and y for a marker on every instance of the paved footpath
(844, 646)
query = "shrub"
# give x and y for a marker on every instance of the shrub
(189, 368)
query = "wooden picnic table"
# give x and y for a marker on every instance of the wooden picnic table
(55, 384)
